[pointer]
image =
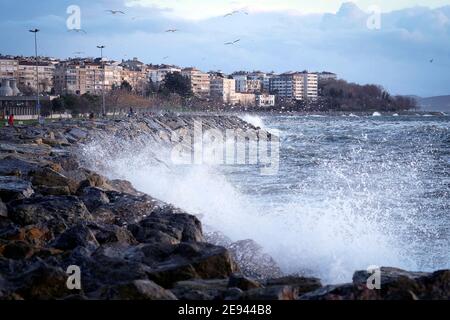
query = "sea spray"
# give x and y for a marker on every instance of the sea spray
(347, 196)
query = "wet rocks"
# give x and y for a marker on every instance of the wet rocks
(243, 283)
(3, 209)
(271, 293)
(193, 261)
(41, 281)
(77, 236)
(138, 290)
(13, 188)
(168, 228)
(302, 285)
(57, 213)
(200, 289)
(395, 284)
(49, 178)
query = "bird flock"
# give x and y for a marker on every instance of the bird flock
(171, 30)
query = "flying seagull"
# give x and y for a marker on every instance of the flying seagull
(115, 11)
(78, 52)
(231, 43)
(231, 13)
(172, 30)
(166, 57)
(432, 60)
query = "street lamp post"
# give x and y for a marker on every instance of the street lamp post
(38, 105)
(103, 84)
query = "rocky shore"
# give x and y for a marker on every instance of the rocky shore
(56, 212)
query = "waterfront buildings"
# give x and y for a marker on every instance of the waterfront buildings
(87, 75)
(224, 89)
(200, 83)
(295, 86)
(265, 100)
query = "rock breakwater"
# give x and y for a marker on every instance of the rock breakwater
(56, 212)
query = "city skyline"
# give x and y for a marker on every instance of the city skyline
(408, 55)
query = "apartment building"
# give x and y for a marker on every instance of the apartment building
(246, 99)
(158, 75)
(265, 100)
(8, 67)
(80, 76)
(311, 89)
(224, 89)
(27, 74)
(264, 79)
(200, 82)
(295, 86)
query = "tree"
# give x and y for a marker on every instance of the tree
(125, 85)
(176, 83)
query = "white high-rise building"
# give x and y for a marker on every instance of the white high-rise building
(295, 86)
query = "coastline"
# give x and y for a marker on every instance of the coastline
(128, 245)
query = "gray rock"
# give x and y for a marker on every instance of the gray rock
(243, 283)
(300, 284)
(58, 213)
(78, 236)
(194, 261)
(106, 234)
(13, 188)
(168, 228)
(48, 177)
(271, 293)
(138, 290)
(76, 134)
(200, 289)
(3, 209)
(94, 198)
(53, 191)
(16, 166)
(396, 284)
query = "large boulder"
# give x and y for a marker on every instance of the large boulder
(48, 177)
(16, 165)
(169, 228)
(56, 213)
(271, 293)
(193, 261)
(108, 234)
(124, 209)
(302, 285)
(93, 197)
(77, 236)
(137, 290)
(200, 289)
(13, 188)
(41, 281)
(243, 283)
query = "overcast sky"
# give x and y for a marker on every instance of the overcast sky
(409, 54)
